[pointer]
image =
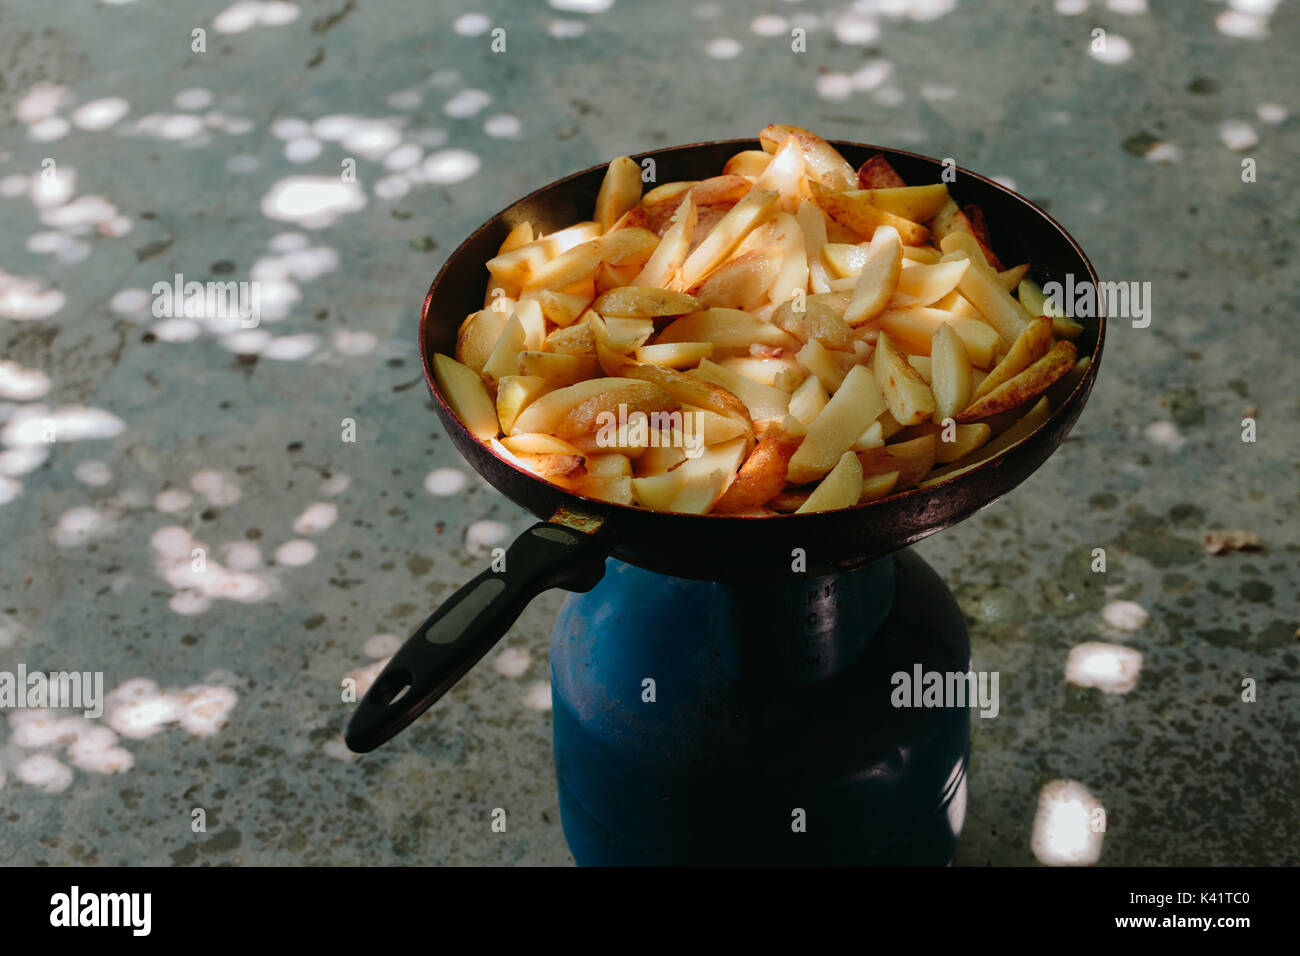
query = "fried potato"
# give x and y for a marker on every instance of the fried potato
(816, 322)
(726, 328)
(562, 240)
(741, 282)
(1035, 303)
(812, 223)
(694, 485)
(783, 372)
(620, 333)
(1060, 391)
(763, 402)
(622, 403)
(675, 190)
(672, 249)
(877, 173)
(577, 339)
(1026, 385)
(980, 285)
(619, 191)
(1031, 345)
(674, 354)
(749, 163)
(514, 394)
(841, 488)
(851, 210)
(465, 393)
(908, 397)
(558, 369)
(1009, 279)
(822, 364)
(913, 330)
(950, 373)
(949, 220)
(1026, 425)
(727, 234)
(643, 302)
(916, 203)
(856, 404)
(877, 486)
(912, 460)
(560, 308)
(824, 162)
(964, 440)
(520, 235)
(762, 476)
(546, 412)
(690, 390)
(879, 277)
(524, 331)
(784, 174)
(807, 401)
(616, 489)
(478, 337)
(922, 285)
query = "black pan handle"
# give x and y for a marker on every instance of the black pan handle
(459, 633)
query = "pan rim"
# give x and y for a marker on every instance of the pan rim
(1078, 393)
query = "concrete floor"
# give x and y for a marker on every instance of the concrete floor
(126, 157)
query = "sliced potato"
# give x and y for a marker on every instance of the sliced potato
(808, 400)
(822, 364)
(520, 235)
(694, 485)
(950, 221)
(538, 443)
(642, 302)
(620, 190)
(873, 436)
(560, 308)
(672, 249)
(911, 459)
(815, 322)
(504, 359)
(950, 372)
(784, 372)
(468, 397)
(546, 412)
(727, 234)
(739, 283)
(749, 163)
(924, 367)
(824, 162)
(674, 354)
(478, 337)
(1031, 345)
(558, 369)
(1026, 425)
(726, 328)
(877, 173)
(878, 278)
(913, 330)
(577, 339)
(762, 476)
(850, 209)
(877, 486)
(562, 240)
(616, 489)
(965, 439)
(763, 402)
(691, 390)
(514, 394)
(1060, 391)
(917, 203)
(1035, 303)
(926, 284)
(841, 488)
(1031, 382)
(908, 397)
(674, 190)
(980, 285)
(856, 404)
(606, 409)
(1009, 279)
(812, 223)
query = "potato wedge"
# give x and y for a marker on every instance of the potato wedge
(877, 173)
(662, 193)
(546, 412)
(1026, 385)
(822, 364)
(812, 223)
(784, 174)
(908, 397)
(980, 285)
(877, 486)
(577, 339)
(749, 163)
(762, 476)
(807, 401)
(560, 308)
(816, 322)
(878, 279)
(950, 373)
(957, 441)
(727, 234)
(1009, 279)
(1031, 345)
(911, 459)
(694, 485)
(641, 302)
(824, 162)
(672, 249)
(726, 328)
(691, 390)
(741, 282)
(841, 488)
(520, 235)
(924, 367)
(674, 354)
(616, 489)
(464, 391)
(763, 402)
(1026, 425)
(514, 394)
(783, 372)
(856, 404)
(949, 220)
(619, 404)
(922, 285)
(851, 210)
(1060, 391)
(913, 331)
(1035, 303)
(558, 369)
(478, 337)
(916, 203)
(620, 190)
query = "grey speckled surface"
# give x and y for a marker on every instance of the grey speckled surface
(1187, 772)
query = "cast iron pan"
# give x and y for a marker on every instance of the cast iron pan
(568, 548)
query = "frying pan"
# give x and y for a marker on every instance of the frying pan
(569, 547)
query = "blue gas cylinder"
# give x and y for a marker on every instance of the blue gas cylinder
(708, 722)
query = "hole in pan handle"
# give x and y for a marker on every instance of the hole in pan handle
(568, 551)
